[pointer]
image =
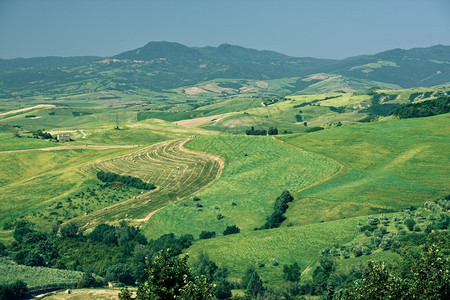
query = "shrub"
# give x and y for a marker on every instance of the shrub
(207, 235)
(409, 223)
(14, 290)
(231, 230)
(312, 129)
(69, 230)
(291, 272)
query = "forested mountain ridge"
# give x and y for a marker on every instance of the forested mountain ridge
(161, 66)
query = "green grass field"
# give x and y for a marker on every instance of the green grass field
(389, 166)
(287, 245)
(37, 278)
(175, 172)
(257, 170)
(33, 182)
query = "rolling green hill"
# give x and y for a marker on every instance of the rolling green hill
(162, 66)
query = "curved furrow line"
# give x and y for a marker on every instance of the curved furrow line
(176, 171)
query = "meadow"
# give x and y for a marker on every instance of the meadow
(389, 166)
(175, 172)
(269, 250)
(212, 176)
(38, 278)
(257, 170)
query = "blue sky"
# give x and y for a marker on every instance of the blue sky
(316, 28)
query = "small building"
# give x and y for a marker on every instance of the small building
(63, 138)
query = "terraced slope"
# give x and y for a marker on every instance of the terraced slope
(257, 170)
(176, 172)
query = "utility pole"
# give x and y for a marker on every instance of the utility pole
(117, 122)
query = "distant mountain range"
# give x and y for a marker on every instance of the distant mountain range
(162, 66)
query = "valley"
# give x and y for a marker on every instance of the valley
(198, 165)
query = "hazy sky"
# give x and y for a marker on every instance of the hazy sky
(316, 28)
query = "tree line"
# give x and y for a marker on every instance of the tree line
(253, 131)
(424, 109)
(127, 180)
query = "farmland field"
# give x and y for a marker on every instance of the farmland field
(275, 247)
(175, 171)
(38, 277)
(257, 170)
(389, 166)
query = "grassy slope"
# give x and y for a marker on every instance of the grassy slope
(174, 171)
(33, 181)
(37, 277)
(389, 165)
(286, 245)
(253, 182)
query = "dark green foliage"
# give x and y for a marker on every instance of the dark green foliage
(104, 233)
(339, 110)
(69, 230)
(125, 294)
(247, 276)
(272, 131)
(253, 131)
(21, 232)
(312, 129)
(378, 107)
(88, 280)
(223, 287)
(15, 290)
(291, 272)
(3, 251)
(414, 96)
(170, 241)
(40, 134)
(207, 235)
(204, 266)
(424, 109)
(280, 207)
(165, 276)
(80, 113)
(231, 230)
(409, 223)
(322, 273)
(255, 287)
(423, 274)
(198, 288)
(121, 273)
(33, 259)
(298, 118)
(127, 180)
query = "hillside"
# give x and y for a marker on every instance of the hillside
(222, 133)
(163, 66)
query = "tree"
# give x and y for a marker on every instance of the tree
(247, 276)
(231, 230)
(3, 251)
(33, 259)
(291, 272)
(166, 275)
(207, 235)
(204, 266)
(119, 272)
(409, 223)
(125, 294)
(69, 230)
(223, 287)
(255, 287)
(198, 289)
(377, 283)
